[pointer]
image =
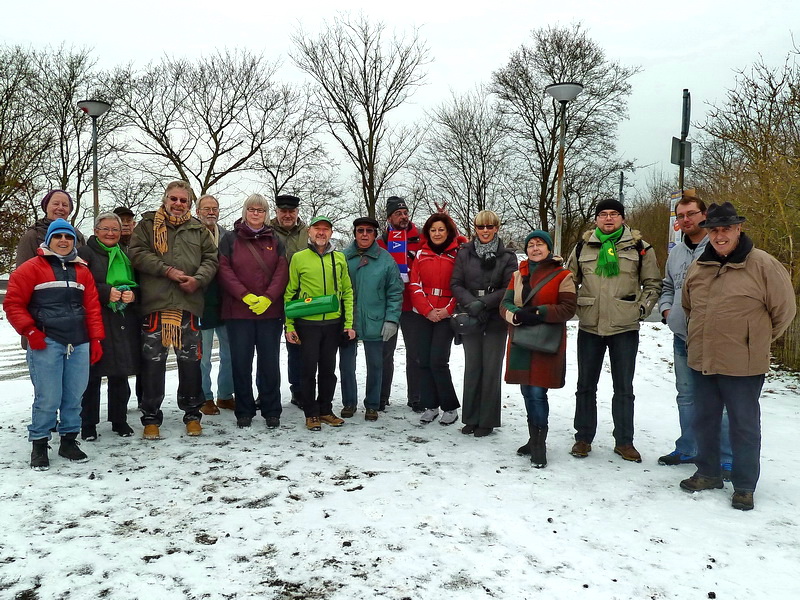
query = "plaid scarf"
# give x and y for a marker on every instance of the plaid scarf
(607, 260)
(160, 228)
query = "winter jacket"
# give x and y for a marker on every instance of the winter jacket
(34, 237)
(473, 280)
(430, 279)
(212, 297)
(189, 248)
(556, 301)
(735, 310)
(402, 245)
(60, 299)
(611, 305)
(294, 239)
(680, 257)
(122, 347)
(312, 274)
(241, 274)
(377, 290)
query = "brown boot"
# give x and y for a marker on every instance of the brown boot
(226, 403)
(581, 449)
(628, 452)
(209, 408)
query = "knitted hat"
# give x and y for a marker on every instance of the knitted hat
(609, 204)
(394, 203)
(542, 235)
(49, 195)
(721, 215)
(60, 226)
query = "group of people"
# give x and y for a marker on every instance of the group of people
(114, 305)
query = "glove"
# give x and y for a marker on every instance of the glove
(95, 351)
(261, 304)
(388, 331)
(528, 316)
(189, 284)
(475, 308)
(36, 339)
(250, 299)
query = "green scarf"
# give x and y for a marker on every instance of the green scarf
(607, 261)
(119, 273)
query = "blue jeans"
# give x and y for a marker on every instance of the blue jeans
(536, 404)
(741, 397)
(59, 380)
(260, 337)
(225, 375)
(373, 350)
(684, 383)
(622, 348)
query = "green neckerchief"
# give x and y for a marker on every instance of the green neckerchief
(607, 261)
(119, 273)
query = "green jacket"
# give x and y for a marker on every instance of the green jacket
(189, 248)
(294, 239)
(311, 274)
(378, 289)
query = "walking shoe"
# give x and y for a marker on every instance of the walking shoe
(151, 432)
(448, 417)
(88, 433)
(698, 483)
(727, 471)
(313, 424)
(273, 422)
(193, 428)
(69, 448)
(225, 403)
(675, 458)
(483, 431)
(348, 411)
(39, 459)
(244, 422)
(468, 429)
(429, 416)
(331, 420)
(742, 500)
(296, 401)
(122, 429)
(370, 415)
(581, 449)
(628, 452)
(209, 408)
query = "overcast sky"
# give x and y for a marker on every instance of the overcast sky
(696, 45)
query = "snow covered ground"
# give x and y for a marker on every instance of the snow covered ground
(393, 509)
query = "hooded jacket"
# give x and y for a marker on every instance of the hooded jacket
(31, 240)
(680, 257)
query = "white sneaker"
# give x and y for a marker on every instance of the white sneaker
(449, 417)
(429, 416)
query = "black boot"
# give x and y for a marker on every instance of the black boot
(69, 448)
(39, 460)
(525, 450)
(539, 448)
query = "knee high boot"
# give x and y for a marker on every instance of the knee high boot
(539, 448)
(525, 449)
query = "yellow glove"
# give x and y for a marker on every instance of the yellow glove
(261, 304)
(250, 299)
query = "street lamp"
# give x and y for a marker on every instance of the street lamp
(563, 92)
(94, 108)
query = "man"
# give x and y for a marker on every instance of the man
(738, 300)
(618, 283)
(176, 259)
(319, 271)
(401, 240)
(378, 293)
(690, 211)
(294, 234)
(128, 219)
(211, 323)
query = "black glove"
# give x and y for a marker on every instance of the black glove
(475, 308)
(528, 316)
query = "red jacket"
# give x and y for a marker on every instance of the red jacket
(60, 299)
(402, 245)
(430, 279)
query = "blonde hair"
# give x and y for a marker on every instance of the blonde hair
(486, 217)
(255, 200)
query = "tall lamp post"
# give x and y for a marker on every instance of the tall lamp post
(94, 108)
(563, 92)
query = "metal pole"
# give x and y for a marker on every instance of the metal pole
(560, 191)
(687, 103)
(94, 170)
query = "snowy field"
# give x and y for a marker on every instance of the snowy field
(393, 509)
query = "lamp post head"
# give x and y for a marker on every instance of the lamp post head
(94, 108)
(564, 91)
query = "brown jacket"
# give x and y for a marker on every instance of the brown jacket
(736, 310)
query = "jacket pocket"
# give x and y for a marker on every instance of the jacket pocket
(624, 312)
(588, 312)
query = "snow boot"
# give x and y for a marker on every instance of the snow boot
(538, 446)
(69, 448)
(39, 459)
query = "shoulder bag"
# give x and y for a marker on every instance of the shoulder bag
(544, 337)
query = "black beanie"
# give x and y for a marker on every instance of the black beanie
(394, 203)
(609, 204)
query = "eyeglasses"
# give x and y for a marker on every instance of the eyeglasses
(688, 215)
(61, 236)
(209, 209)
(257, 211)
(481, 227)
(107, 230)
(361, 230)
(176, 199)
(608, 215)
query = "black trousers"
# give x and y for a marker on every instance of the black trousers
(119, 392)
(435, 340)
(319, 345)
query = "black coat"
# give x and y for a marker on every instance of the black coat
(122, 346)
(471, 274)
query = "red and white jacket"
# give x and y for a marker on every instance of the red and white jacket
(430, 278)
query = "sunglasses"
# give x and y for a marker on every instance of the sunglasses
(365, 230)
(61, 236)
(482, 227)
(176, 199)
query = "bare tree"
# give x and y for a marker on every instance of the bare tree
(558, 54)
(361, 76)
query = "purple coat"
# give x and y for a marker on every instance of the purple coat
(241, 274)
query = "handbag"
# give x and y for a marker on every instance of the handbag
(311, 305)
(544, 337)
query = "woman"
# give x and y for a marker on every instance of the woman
(114, 278)
(253, 273)
(52, 302)
(554, 302)
(482, 271)
(57, 204)
(433, 304)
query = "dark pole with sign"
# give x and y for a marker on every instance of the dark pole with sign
(687, 109)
